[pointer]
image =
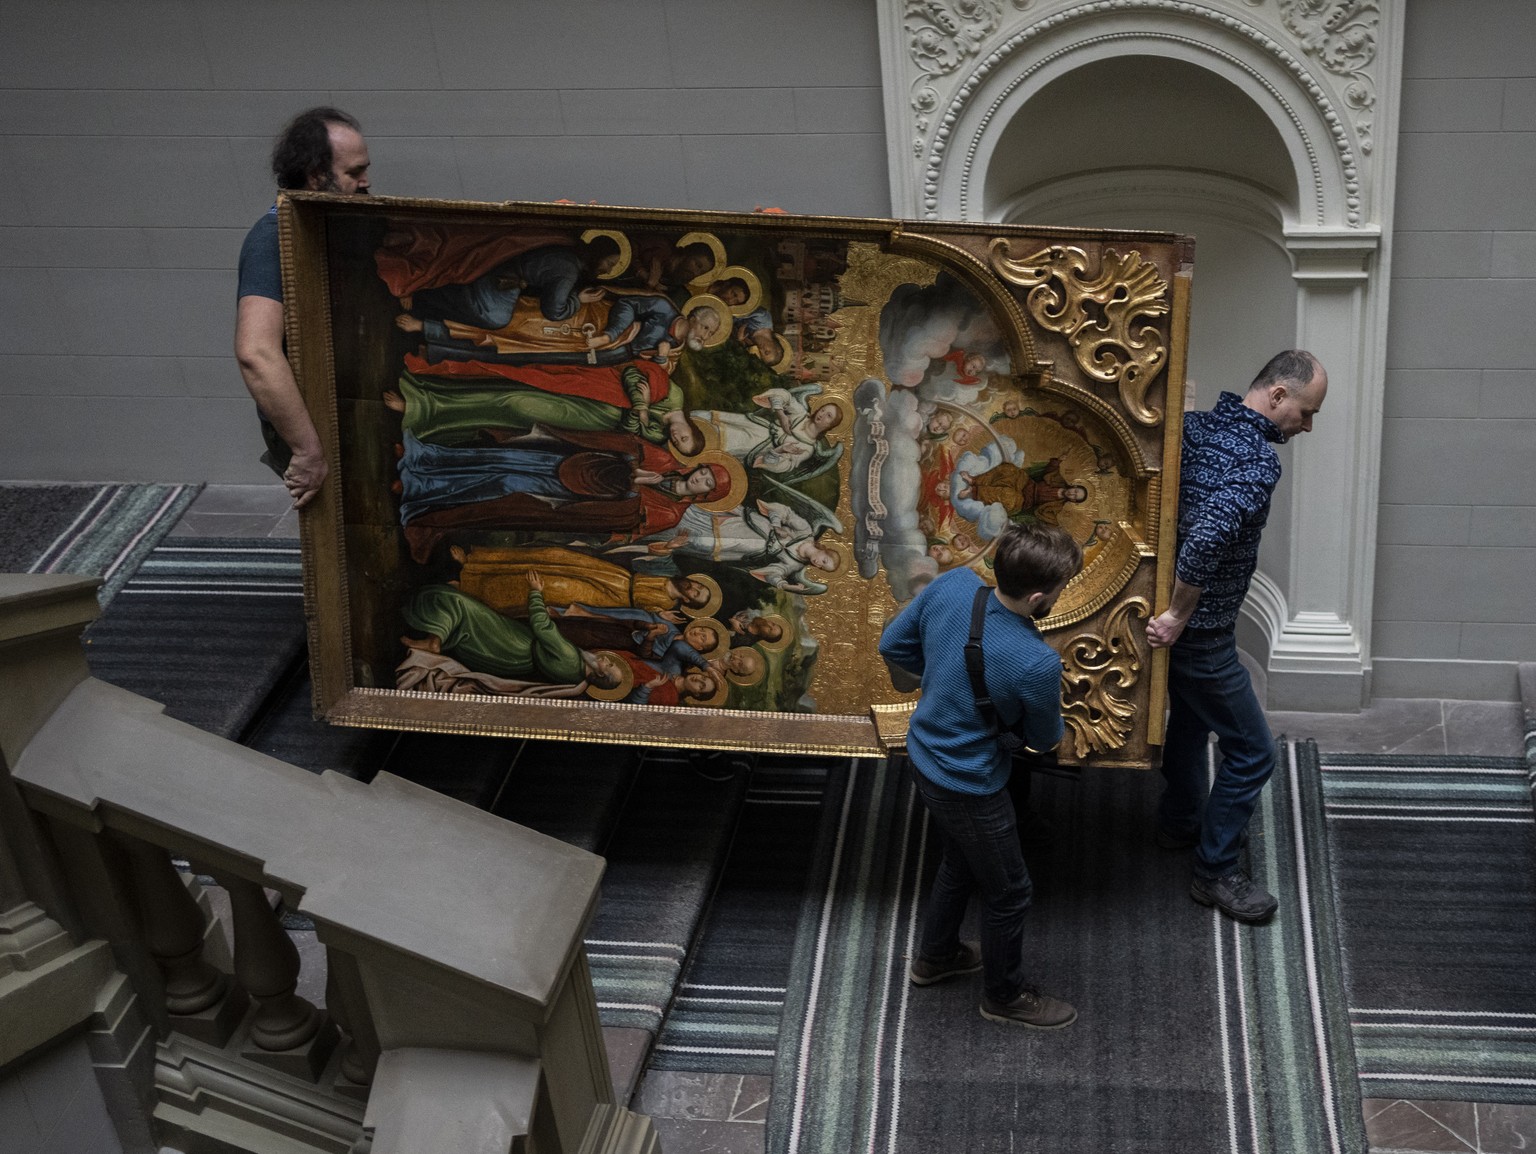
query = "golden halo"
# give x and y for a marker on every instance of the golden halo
(722, 310)
(722, 634)
(717, 699)
(735, 492)
(786, 362)
(845, 415)
(715, 246)
(626, 679)
(838, 550)
(712, 606)
(626, 254)
(711, 436)
(745, 679)
(754, 288)
(785, 637)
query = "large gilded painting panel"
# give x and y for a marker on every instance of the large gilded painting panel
(661, 477)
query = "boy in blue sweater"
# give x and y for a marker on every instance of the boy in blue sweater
(962, 772)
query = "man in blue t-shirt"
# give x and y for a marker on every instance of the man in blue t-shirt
(961, 770)
(321, 150)
(1228, 473)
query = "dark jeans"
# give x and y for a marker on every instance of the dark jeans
(979, 842)
(1209, 692)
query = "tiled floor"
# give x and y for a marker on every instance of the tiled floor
(1398, 1127)
(239, 511)
(725, 1114)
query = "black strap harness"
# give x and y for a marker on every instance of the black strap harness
(976, 666)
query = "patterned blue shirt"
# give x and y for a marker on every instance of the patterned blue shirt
(1228, 473)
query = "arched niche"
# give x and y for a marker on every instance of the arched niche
(1220, 172)
(1223, 120)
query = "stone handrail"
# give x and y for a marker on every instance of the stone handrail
(454, 937)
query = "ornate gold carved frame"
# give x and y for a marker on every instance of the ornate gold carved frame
(1076, 360)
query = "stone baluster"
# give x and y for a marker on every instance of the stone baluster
(173, 930)
(267, 965)
(347, 1004)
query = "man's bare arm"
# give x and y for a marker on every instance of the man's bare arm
(1164, 629)
(269, 378)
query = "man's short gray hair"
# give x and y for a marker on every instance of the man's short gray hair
(1293, 368)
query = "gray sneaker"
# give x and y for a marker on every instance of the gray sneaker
(966, 960)
(1236, 895)
(1031, 1008)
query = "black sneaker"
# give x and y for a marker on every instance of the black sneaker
(965, 960)
(1031, 1008)
(1236, 895)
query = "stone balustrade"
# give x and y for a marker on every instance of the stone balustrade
(459, 1012)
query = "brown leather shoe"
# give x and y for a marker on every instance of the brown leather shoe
(1031, 1008)
(966, 960)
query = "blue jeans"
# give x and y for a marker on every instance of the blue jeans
(979, 840)
(1209, 691)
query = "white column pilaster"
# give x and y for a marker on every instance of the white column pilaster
(1319, 623)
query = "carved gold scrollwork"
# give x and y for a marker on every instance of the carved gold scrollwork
(1096, 672)
(1097, 313)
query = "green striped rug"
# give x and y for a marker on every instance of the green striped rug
(1195, 1034)
(101, 531)
(1434, 863)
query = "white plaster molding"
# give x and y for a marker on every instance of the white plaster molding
(1327, 75)
(953, 69)
(1300, 642)
(1156, 191)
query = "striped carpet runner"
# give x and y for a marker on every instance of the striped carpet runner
(207, 627)
(1196, 1034)
(1434, 862)
(96, 530)
(726, 1013)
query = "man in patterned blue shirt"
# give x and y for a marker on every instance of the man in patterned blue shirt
(1228, 473)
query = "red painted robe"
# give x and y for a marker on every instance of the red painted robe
(418, 256)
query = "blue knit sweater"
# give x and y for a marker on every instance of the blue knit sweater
(1226, 477)
(947, 739)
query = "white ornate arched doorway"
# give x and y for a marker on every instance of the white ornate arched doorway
(1265, 128)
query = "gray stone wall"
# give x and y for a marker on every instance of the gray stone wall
(134, 138)
(1456, 562)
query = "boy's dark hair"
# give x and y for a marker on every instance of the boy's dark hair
(1034, 558)
(303, 149)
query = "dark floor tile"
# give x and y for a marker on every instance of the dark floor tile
(689, 1096)
(1392, 725)
(194, 524)
(627, 1047)
(752, 1102)
(1506, 1129)
(1427, 1127)
(17, 1123)
(1487, 728)
(682, 1137)
(270, 500)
